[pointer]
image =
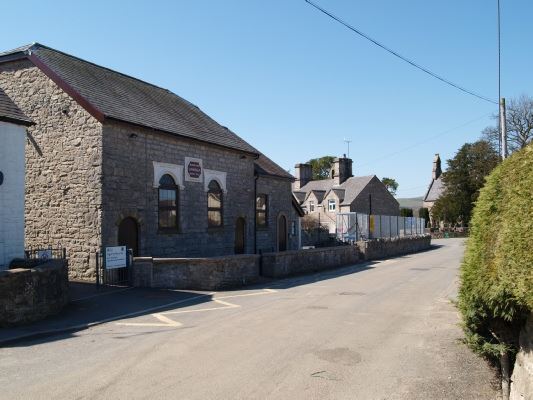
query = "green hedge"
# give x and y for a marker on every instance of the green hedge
(496, 291)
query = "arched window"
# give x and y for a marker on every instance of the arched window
(214, 204)
(168, 203)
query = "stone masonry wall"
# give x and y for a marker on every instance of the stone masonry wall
(279, 203)
(28, 295)
(278, 265)
(128, 191)
(63, 167)
(382, 248)
(196, 273)
(522, 379)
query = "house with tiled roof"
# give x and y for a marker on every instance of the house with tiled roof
(435, 188)
(13, 125)
(113, 160)
(323, 199)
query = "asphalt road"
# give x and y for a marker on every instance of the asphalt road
(385, 330)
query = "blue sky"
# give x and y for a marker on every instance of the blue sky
(294, 83)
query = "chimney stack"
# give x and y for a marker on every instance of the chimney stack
(303, 174)
(436, 167)
(341, 170)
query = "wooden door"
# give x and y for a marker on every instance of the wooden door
(282, 233)
(240, 229)
(128, 235)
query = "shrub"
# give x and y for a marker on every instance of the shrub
(496, 290)
(406, 212)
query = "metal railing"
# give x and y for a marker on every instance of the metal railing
(45, 253)
(352, 227)
(113, 276)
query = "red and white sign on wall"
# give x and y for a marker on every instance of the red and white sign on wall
(193, 169)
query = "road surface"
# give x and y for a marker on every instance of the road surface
(383, 330)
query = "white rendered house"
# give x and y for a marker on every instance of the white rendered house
(13, 125)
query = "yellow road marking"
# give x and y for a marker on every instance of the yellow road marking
(167, 322)
(265, 291)
(224, 303)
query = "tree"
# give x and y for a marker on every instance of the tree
(462, 181)
(519, 117)
(391, 185)
(321, 167)
(406, 212)
(423, 212)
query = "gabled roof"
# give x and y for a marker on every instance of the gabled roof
(338, 192)
(354, 186)
(319, 195)
(435, 190)
(9, 111)
(297, 207)
(300, 196)
(265, 166)
(323, 184)
(111, 95)
(347, 192)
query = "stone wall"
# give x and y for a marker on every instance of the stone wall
(522, 379)
(277, 265)
(196, 273)
(63, 167)
(383, 248)
(129, 191)
(279, 203)
(28, 295)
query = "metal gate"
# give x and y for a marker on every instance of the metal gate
(113, 276)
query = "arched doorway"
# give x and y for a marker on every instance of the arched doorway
(128, 235)
(282, 233)
(240, 229)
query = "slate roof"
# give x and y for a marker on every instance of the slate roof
(319, 194)
(9, 112)
(265, 166)
(300, 196)
(347, 191)
(121, 97)
(435, 190)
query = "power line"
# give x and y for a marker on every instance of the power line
(414, 64)
(425, 141)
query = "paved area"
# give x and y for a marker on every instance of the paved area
(384, 330)
(91, 306)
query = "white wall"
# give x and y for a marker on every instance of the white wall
(12, 140)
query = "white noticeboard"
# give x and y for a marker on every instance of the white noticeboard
(115, 257)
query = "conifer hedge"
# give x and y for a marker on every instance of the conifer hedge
(496, 290)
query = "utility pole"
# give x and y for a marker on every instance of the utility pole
(503, 128)
(502, 120)
(347, 141)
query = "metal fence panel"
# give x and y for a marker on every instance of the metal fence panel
(357, 226)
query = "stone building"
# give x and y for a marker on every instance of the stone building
(342, 192)
(435, 189)
(113, 160)
(13, 124)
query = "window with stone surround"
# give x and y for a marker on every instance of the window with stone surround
(168, 204)
(311, 206)
(331, 205)
(261, 210)
(214, 205)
